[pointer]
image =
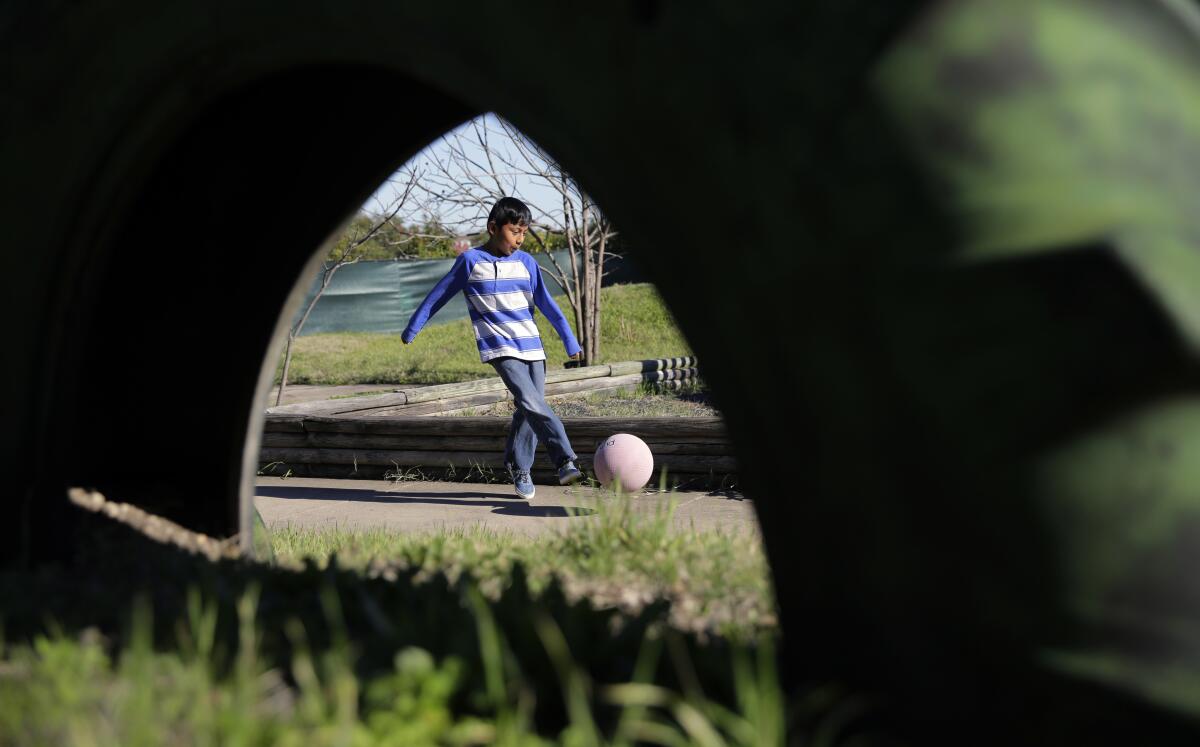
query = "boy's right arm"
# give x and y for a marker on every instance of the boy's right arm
(454, 281)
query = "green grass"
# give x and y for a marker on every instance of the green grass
(717, 581)
(635, 324)
(61, 690)
(521, 677)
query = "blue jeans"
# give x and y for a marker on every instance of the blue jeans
(533, 419)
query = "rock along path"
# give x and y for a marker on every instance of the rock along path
(427, 506)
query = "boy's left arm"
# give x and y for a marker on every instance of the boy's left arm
(545, 303)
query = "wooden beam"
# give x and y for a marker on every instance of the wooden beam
(573, 374)
(440, 406)
(704, 429)
(341, 405)
(656, 364)
(463, 443)
(283, 424)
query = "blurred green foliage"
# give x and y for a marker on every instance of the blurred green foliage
(224, 680)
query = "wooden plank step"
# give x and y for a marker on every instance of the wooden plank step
(702, 428)
(439, 406)
(462, 443)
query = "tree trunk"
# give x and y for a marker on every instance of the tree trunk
(589, 356)
(572, 235)
(599, 277)
(330, 271)
(287, 363)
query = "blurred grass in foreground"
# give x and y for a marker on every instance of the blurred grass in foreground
(622, 630)
(64, 691)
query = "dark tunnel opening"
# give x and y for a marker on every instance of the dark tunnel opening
(984, 346)
(155, 400)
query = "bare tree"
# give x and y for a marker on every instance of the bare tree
(348, 254)
(489, 158)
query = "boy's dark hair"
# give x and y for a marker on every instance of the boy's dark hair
(510, 210)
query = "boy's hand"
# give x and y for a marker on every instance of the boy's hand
(575, 361)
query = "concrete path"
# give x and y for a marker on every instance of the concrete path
(424, 506)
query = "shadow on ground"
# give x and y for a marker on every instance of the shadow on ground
(506, 507)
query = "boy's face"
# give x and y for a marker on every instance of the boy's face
(507, 238)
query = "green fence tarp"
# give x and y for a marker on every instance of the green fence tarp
(379, 296)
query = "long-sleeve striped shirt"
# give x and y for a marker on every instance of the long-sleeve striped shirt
(501, 293)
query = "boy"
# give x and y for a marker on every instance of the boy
(502, 284)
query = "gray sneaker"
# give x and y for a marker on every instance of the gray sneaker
(569, 474)
(523, 483)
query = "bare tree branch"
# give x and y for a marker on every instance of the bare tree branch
(331, 267)
(477, 164)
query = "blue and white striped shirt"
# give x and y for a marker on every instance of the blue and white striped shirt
(501, 293)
